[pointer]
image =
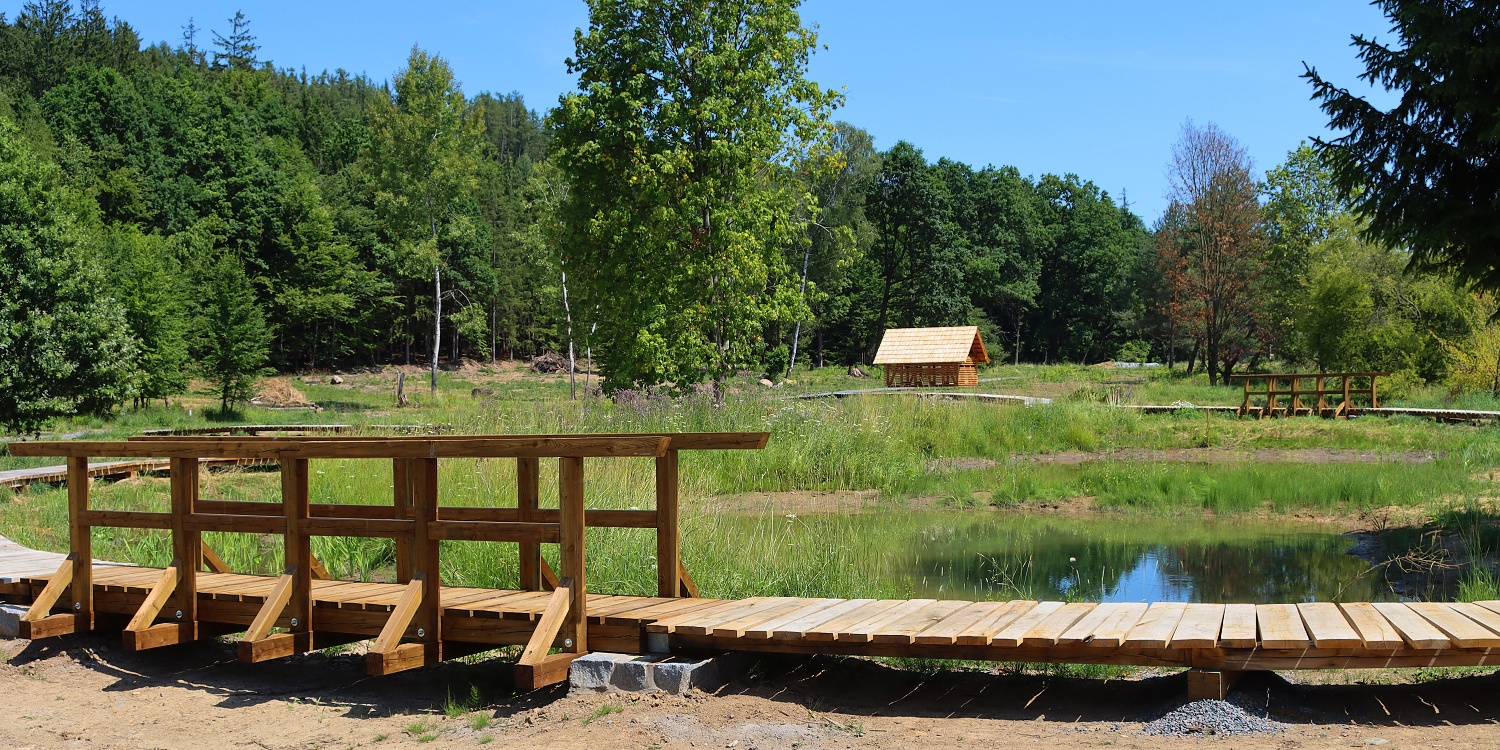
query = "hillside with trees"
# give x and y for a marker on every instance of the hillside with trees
(186, 208)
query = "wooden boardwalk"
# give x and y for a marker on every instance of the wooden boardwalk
(415, 621)
(1314, 635)
(19, 478)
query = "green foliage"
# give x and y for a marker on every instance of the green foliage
(676, 149)
(1421, 173)
(65, 347)
(914, 268)
(233, 335)
(1365, 312)
(145, 278)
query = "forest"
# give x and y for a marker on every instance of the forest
(179, 209)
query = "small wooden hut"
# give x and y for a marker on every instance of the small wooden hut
(915, 357)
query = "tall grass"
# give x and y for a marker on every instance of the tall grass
(1222, 488)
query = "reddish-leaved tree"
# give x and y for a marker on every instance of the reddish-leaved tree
(1211, 248)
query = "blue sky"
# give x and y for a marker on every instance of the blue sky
(1099, 89)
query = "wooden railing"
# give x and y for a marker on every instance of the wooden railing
(1324, 394)
(412, 635)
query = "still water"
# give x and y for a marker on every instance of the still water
(1137, 559)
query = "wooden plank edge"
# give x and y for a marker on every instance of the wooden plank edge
(550, 670)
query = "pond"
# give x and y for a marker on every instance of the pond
(1111, 557)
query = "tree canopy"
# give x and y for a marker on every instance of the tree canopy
(1425, 174)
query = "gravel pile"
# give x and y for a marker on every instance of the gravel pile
(1211, 717)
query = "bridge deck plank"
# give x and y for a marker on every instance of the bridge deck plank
(1306, 636)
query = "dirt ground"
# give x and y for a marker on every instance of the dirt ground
(86, 693)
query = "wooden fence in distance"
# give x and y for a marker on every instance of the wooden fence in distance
(1324, 394)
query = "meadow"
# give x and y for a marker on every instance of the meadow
(922, 465)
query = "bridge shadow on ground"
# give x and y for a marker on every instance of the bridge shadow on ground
(817, 685)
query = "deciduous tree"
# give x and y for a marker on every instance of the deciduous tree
(677, 148)
(1214, 231)
(65, 347)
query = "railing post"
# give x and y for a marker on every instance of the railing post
(424, 497)
(298, 546)
(570, 513)
(401, 481)
(528, 500)
(1347, 405)
(668, 539)
(187, 546)
(81, 544)
(1374, 399)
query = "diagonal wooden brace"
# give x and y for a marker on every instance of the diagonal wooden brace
(549, 576)
(38, 622)
(157, 598)
(689, 587)
(536, 668)
(213, 562)
(258, 644)
(56, 585)
(388, 654)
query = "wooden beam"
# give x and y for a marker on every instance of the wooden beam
(679, 440)
(274, 646)
(158, 635)
(571, 556)
(403, 657)
(528, 500)
(425, 562)
(401, 485)
(549, 576)
(126, 519)
(401, 617)
(549, 671)
(41, 606)
(361, 527)
(265, 619)
(186, 544)
(157, 598)
(213, 562)
(494, 531)
(668, 536)
(297, 546)
(47, 627)
(689, 586)
(458, 446)
(550, 624)
(80, 543)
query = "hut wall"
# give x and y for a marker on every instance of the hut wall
(931, 374)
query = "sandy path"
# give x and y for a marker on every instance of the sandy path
(85, 693)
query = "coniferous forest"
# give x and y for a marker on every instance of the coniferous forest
(184, 208)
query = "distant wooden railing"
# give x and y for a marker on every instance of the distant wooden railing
(412, 635)
(1324, 394)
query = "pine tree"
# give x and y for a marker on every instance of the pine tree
(239, 48)
(234, 341)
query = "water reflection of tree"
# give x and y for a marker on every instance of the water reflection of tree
(1101, 561)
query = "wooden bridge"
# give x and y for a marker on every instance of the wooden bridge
(415, 621)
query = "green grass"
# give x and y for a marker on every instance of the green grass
(454, 708)
(892, 445)
(602, 711)
(1222, 488)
